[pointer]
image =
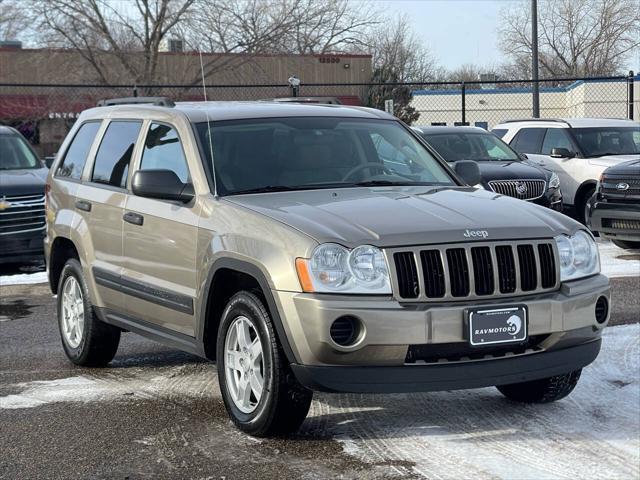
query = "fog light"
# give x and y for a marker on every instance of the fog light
(345, 331)
(602, 309)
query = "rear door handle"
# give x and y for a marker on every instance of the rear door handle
(83, 205)
(134, 218)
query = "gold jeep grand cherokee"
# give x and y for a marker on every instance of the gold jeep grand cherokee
(311, 247)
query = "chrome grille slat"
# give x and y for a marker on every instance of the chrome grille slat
(25, 213)
(534, 188)
(496, 270)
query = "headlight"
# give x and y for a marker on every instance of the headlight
(578, 256)
(334, 268)
(554, 181)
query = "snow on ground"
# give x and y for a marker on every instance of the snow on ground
(615, 262)
(593, 433)
(24, 278)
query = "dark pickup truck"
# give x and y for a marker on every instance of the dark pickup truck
(614, 210)
(22, 199)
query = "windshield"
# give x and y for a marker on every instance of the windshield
(470, 146)
(299, 153)
(15, 154)
(595, 142)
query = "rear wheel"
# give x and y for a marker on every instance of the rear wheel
(259, 390)
(545, 390)
(86, 340)
(626, 244)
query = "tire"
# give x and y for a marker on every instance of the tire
(545, 390)
(581, 207)
(626, 244)
(283, 403)
(93, 343)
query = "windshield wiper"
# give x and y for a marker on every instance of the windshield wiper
(382, 183)
(267, 189)
(595, 155)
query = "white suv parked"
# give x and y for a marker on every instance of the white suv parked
(577, 149)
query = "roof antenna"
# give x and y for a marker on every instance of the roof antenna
(209, 134)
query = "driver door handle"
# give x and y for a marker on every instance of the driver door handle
(133, 218)
(83, 205)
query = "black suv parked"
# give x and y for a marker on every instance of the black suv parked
(503, 170)
(22, 180)
(615, 209)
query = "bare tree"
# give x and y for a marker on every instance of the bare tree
(576, 37)
(101, 31)
(396, 49)
(13, 20)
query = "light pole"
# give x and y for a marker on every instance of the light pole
(534, 59)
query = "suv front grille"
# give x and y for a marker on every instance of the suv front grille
(521, 189)
(609, 188)
(24, 214)
(478, 270)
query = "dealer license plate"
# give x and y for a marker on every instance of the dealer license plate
(488, 326)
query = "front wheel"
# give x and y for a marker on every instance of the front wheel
(545, 390)
(626, 244)
(583, 207)
(260, 392)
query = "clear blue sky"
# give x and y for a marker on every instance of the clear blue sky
(461, 31)
(456, 31)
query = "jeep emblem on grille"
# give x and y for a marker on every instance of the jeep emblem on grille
(475, 233)
(521, 188)
(622, 186)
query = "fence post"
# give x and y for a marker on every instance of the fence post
(464, 104)
(630, 94)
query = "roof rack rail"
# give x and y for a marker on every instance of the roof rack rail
(559, 120)
(157, 101)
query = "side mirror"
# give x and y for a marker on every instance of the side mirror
(561, 153)
(468, 171)
(161, 184)
(48, 161)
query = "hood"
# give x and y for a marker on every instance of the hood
(510, 170)
(610, 160)
(395, 216)
(630, 168)
(27, 181)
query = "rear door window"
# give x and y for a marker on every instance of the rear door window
(76, 156)
(529, 140)
(114, 155)
(163, 150)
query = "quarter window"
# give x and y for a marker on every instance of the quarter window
(555, 138)
(114, 155)
(162, 150)
(76, 156)
(529, 140)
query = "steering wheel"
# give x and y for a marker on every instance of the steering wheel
(364, 166)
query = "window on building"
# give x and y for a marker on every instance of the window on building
(76, 156)
(163, 150)
(114, 155)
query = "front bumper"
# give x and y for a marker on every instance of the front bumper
(601, 214)
(391, 327)
(449, 376)
(552, 198)
(22, 247)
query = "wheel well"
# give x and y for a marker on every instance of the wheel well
(582, 191)
(226, 283)
(62, 250)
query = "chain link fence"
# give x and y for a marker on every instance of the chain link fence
(45, 113)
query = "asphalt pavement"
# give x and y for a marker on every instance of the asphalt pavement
(157, 413)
